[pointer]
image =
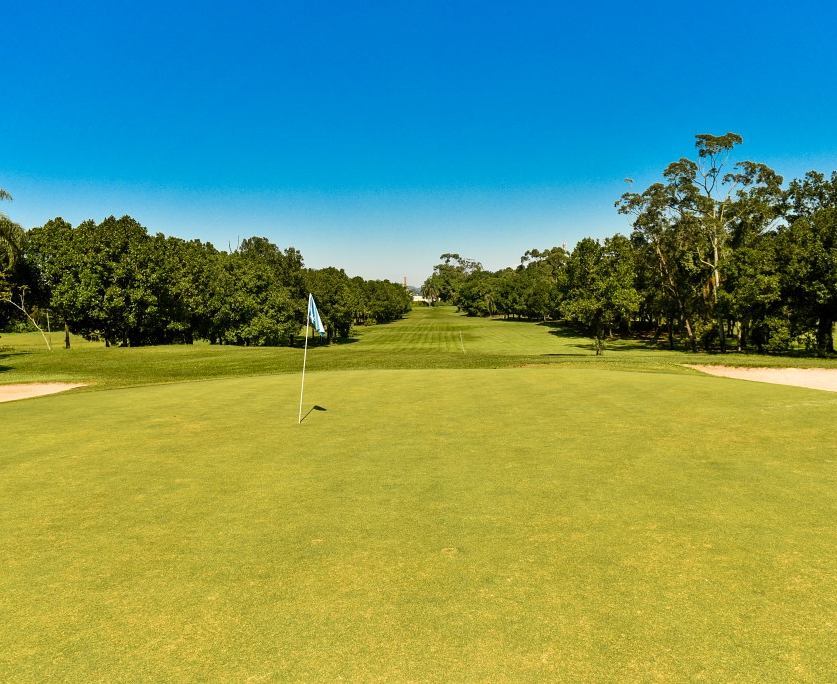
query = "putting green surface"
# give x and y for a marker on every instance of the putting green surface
(547, 523)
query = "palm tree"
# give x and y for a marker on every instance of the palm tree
(429, 291)
(10, 234)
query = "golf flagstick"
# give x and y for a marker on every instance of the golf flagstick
(304, 358)
(312, 318)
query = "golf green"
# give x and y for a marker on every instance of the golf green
(536, 523)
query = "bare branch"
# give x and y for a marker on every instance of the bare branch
(9, 299)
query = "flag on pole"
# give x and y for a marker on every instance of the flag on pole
(314, 316)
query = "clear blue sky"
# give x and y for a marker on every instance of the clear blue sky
(377, 135)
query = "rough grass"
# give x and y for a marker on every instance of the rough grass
(571, 522)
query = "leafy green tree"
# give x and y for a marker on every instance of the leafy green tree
(805, 196)
(808, 250)
(477, 294)
(50, 255)
(510, 296)
(188, 267)
(286, 266)
(751, 293)
(687, 223)
(249, 307)
(118, 265)
(600, 292)
(382, 301)
(714, 254)
(449, 276)
(808, 257)
(662, 237)
(542, 273)
(337, 300)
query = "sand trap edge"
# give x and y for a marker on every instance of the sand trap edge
(811, 378)
(30, 390)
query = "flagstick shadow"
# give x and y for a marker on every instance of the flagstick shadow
(315, 407)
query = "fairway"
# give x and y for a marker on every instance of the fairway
(428, 338)
(527, 523)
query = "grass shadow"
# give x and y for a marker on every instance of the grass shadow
(6, 354)
(347, 340)
(498, 319)
(567, 330)
(631, 345)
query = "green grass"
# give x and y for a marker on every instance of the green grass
(579, 521)
(428, 338)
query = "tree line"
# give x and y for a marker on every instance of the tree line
(113, 281)
(722, 255)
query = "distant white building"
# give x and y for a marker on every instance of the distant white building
(416, 294)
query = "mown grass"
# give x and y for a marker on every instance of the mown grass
(428, 338)
(571, 524)
(518, 511)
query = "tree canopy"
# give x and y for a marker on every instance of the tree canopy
(720, 249)
(116, 282)
(722, 253)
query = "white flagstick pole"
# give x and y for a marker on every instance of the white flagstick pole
(304, 358)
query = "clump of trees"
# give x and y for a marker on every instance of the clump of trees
(116, 282)
(723, 255)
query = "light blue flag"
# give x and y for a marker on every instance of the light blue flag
(314, 316)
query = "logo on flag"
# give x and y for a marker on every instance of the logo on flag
(314, 316)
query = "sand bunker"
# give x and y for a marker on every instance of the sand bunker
(813, 378)
(34, 389)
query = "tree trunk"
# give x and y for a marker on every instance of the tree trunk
(664, 270)
(66, 335)
(599, 341)
(743, 333)
(825, 336)
(658, 328)
(690, 334)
